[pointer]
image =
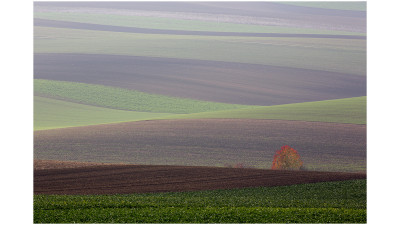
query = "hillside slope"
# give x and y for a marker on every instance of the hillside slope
(52, 114)
(347, 110)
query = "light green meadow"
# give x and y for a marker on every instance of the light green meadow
(124, 99)
(347, 110)
(52, 114)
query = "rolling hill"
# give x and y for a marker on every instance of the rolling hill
(177, 24)
(187, 88)
(208, 142)
(124, 99)
(52, 114)
(254, 50)
(348, 110)
(234, 83)
(144, 110)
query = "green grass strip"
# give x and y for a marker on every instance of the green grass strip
(52, 113)
(326, 202)
(347, 110)
(123, 99)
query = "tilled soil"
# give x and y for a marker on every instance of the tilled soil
(125, 179)
(208, 142)
(237, 83)
(56, 164)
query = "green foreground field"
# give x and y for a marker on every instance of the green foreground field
(329, 202)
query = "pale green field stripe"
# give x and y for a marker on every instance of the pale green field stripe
(124, 99)
(52, 114)
(177, 24)
(344, 56)
(347, 110)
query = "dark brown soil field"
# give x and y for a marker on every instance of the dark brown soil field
(125, 179)
(208, 142)
(55, 164)
(237, 83)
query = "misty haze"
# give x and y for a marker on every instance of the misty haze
(200, 112)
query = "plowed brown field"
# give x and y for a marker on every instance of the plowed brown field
(124, 179)
(237, 83)
(208, 142)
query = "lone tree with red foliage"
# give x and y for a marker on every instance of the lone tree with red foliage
(286, 159)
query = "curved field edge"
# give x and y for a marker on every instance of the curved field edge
(53, 114)
(123, 99)
(326, 202)
(233, 83)
(347, 110)
(335, 55)
(57, 164)
(128, 179)
(177, 24)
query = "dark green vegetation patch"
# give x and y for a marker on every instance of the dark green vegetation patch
(330, 202)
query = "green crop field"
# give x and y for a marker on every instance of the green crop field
(327, 202)
(160, 84)
(123, 99)
(52, 113)
(177, 24)
(348, 110)
(255, 50)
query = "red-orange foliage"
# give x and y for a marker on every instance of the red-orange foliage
(286, 159)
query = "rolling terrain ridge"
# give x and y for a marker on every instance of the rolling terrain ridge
(171, 112)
